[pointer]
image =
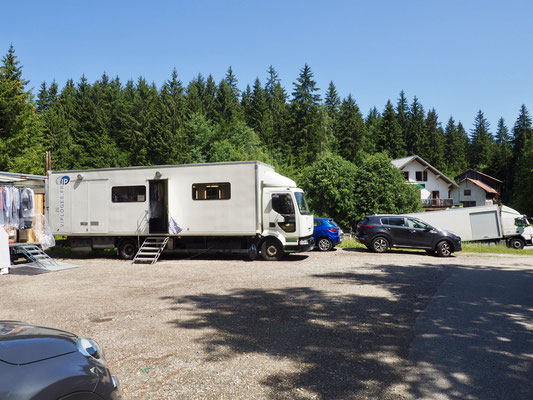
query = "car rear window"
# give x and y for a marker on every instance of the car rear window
(333, 223)
(395, 221)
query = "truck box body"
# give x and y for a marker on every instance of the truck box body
(204, 200)
(480, 223)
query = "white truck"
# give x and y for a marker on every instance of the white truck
(482, 223)
(231, 206)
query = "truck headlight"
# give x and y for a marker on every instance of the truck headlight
(90, 349)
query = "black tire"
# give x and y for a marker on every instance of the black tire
(444, 249)
(324, 244)
(271, 250)
(127, 248)
(516, 243)
(380, 244)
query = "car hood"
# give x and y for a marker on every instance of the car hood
(21, 343)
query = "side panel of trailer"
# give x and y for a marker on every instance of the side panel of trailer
(126, 201)
(470, 223)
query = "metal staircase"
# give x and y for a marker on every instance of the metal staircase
(150, 250)
(36, 255)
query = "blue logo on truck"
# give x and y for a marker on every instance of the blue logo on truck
(63, 180)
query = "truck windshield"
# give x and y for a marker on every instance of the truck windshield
(521, 222)
(302, 203)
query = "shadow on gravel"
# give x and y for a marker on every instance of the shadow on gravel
(475, 345)
(347, 346)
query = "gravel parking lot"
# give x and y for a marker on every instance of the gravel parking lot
(335, 325)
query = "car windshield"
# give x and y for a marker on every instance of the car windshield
(302, 203)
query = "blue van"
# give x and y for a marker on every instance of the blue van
(327, 234)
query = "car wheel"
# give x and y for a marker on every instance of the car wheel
(380, 244)
(517, 244)
(271, 250)
(324, 244)
(127, 249)
(444, 249)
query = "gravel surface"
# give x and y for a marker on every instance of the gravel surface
(334, 325)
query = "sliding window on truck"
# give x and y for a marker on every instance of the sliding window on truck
(283, 205)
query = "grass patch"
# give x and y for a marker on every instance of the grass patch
(472, 247)
(351, 244)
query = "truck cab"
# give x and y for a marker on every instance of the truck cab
(287, 222)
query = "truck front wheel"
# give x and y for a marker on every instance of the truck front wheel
(516, 243)
(271, 250)
(127, 248)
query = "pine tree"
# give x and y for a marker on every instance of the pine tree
(523, 179)
(501, 158)
(415, 134)
(351, 130)
(373, 123)
(456, 148)
(20, 129)
(522, 131)
(232, 82)
(246, 103)
(481, 143)
(306, 125)
(437, 142)
(168, 143)
(402, 111)
(390, 133)
(277, 101)
(260, 116)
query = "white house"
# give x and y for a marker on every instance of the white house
(434, 186)
(476, 189)
(472, 192)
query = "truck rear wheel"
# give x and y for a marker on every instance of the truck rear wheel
(516, 243)
(127, 248)
(271, 250)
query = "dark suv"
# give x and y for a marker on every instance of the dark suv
(379, 232)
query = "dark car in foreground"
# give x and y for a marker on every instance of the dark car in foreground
(41, 363)
(381, 232)
(327, 234)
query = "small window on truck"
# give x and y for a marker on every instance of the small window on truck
(211, 191)
(128, 194)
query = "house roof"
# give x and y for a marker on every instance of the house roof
(400, 163)
(482, 185)
(480, 173)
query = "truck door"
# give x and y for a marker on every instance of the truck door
(158, 206)
(89, 211)
(280, 213)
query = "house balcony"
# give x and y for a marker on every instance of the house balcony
(437, 203)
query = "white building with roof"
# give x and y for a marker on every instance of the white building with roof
(434, 186)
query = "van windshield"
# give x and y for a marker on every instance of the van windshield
(302, 203)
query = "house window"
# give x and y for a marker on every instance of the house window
(211, 191)
(406, 175)
(128, 194)
(422, 176)
(467, 192)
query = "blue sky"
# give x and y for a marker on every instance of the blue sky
(455, 56)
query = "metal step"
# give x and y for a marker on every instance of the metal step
(35, 254)
(150, 250)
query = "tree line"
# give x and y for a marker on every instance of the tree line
(109, 123)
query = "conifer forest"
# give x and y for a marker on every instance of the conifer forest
(339, 155)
